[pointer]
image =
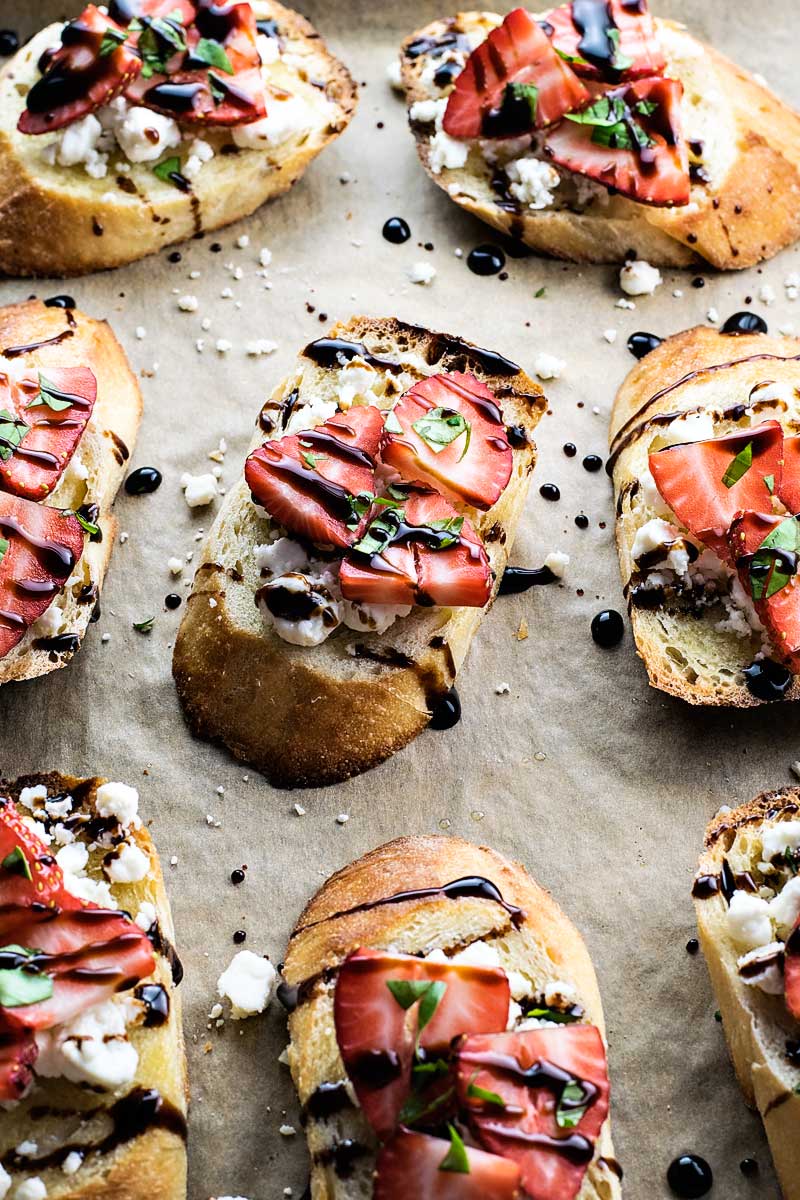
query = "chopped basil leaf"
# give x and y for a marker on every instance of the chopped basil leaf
(613, 124)
(397, 491)
(423, 1073)
(479, 1093)
(571, 58)
(456, 1158)
(167, 168)
(144, 626)
(86, 525)
(620, 62)
(789, 859)
(218, 89)
(391, 422)
(19, 988)
(417, 1107)
(769, 481)
(569, 1117)
(3, 547)
(407, 991)
(527, 93)
(160, 39)
(556, 1015)
(430, 1002)
(12, 432)
(17, 863)
(645, 107)
(213, 54)
(380, 532)
(50, 395)
(439, 427)
(451, 525)
(540, 293)
(739, 467)
(774, 563)
(112, 39)
(360, 506)
(310, 459)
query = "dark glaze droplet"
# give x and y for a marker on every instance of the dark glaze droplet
(689, 1176)
(582, 521)
(486, 260)
(745, 322)
(173, 600)
(446, 712)
(175, 256)
(692, 946)
(517, 436)
(749, 1167)
(59, 302)
(642, 343)
(237, 876)
(549, 491)
(520, 579)
(608, 628)
(592, 462)
(396, 231)
(767, 679)
(570, 449)
(143, 481)
(9, 42)
(156, 1002)
(239, 936)
(793, 1051)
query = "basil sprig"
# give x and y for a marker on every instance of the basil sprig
(212, 54)
(50, 396)
(775, 562)
(12, 433)
(16, 862)
(167, 169)
(428, 992)
(86, 525)
(739, 466)
(524, 93)
(439, 427)
(160, 39)
(475, 1092)
(112, 40)
(614, 124)
(456, 1159)
(20, 986)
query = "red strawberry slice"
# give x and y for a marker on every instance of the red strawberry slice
(707, 483)
(157, 8)
(410, 1165)
(308, 481)
(607, 40)
(448, 430)
(626, 144)
(788, 488)
(766, 550)
(419, 551)
(85, 72)
(18, 1053)
(538, 1074)
(42, 419)
(490, 98)
(376, 1034)
(31, 881)
(791, 971)
(40, 547)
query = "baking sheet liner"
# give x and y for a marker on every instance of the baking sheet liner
(601, 786)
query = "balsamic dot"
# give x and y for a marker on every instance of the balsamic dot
(173, 600)
(593, 462)
(748, 1166)
(570, 449)
(237, 876)
(446, 712)
(175, 256)
(59, 302)
(582, 521)
(692, 946)
(690, 1176)
(745, 322)
(698, 282)
(143, 481)
(608, 628)
(767, 680)
(9, 42)
(239, 936)
(549, 491)
(793, 1051)
(215, 247)
(396, 231)
(642, 343)
(486, 260)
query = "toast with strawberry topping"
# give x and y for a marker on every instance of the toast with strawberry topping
(597, 131)
(447, 1037)
(348, 570)
(747, 901)
(69, 414)
(127, 130)
(92, 1071)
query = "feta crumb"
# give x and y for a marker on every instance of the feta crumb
(222, 345)
(623, 303)
(30, 1189)
(188, 303)
(342, 818)
(130, 865)
(27, 1149)
(547, 366)
(265, 256)
(175, 566)
(243, 242)
(287, 1131)
(422, 272)
(144, 135)
(119, 801)
(749, 921)
(141, 332)
(502, 689)
(29, 795)
(393, 75)
(557, 563)
(298, 808)
(248, 982)
(610, 335)
(146, 916)
(260, 346)
(72, 1162)
(199, 490)
(766, 294)
(532, 182)
(713, 316)
(638, 278)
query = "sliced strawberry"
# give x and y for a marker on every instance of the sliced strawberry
(625, 144)
(88, 70)
(607, 39)
(308, 481)
(31, 881)
(448, 430)
(418, 551)
(18, 1053)
(553, 1084)
(707, 483)
(491, 99)
(410, 1165)
(39, 547)
(791, 971)
(766, 550)
(788, 488)
(42, 419)
(376, 1034)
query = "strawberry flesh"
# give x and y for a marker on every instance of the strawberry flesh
(308, 481)
(78, 77)
(410, 1165)
(607, 40)
(791, 971)
(769, 575)
(474, 468)
(40, 547)
(17, 1056)
(490, 97)
(42, 419)
(637, 147)
(376, 1035)
(418, 551)
(553, 1085)
(788, 488)
(706, 484)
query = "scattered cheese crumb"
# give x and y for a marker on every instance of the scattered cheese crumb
(248, 982)
(422, 272)
(199, 490)
(557, 563)
(175, 566)
(188, 303)
(547, 366)
(610, 335)
(260, 346)
(223, 345)
(502, 689)
(287, 1131)
(766, 294)
(298, 808)
(342, 818)
(243, 242)
(265, 256)
(638, 278)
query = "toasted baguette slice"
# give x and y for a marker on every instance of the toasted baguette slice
(57, 220)
(699, 370)
(76, 340)
(757, 1025)
(355, 908)
(746, 212)
(146, 1155)
(316, 715)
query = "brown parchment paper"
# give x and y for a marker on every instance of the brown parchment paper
(599, 785)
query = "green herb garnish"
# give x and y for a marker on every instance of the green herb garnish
(789, 859)
(160, 39)
(456, 1158)
(613, 124)
(556, 1015)
(86, 525)
(144, 626)
(12, 432)
(478, 1093)
(310, 459)
(427, 991)
(379, 532)
(17, 863)
(569, 1117)
(540, 293)
(769, 482)
(359, 507)
(20, 987)
(524, 93)
(3, 547)
(213, 54)
(391, 422)
(739, 467)
(112, 40)
(218, 89)
(574, 59)
(774, 563)
(451, 526)
(167, 168)
(439, 427)
(620, 62)
(417, 1107)
(50, 395)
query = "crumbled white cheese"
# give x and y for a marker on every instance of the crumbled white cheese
(72, 1163)
(146, 916)
(248, 982)
(371, 618)
(287, 117)
(638, 278)
(119, 801)
(766, 294)
(776, 839)
(531, 181)
(188, 303)
(49, 623)
(77, 144)
(393, 74)
(93, 1048)
(281, 556)
(260, 346)
(30, 1189)
(444, 152)
(85, 888)
(312, 630)
(129, 865)
(785, 908)
(199, 490)
(693, 427)
(144, 135)
(656, 535)
(175, 566)
(749, 920)
(425, 111)
(5, 1182)
(72, 858)
(200, 152)
(29, 795)
(547, 366)
(58, 807)
(422, 272)
(557, 563)
(771, 978)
